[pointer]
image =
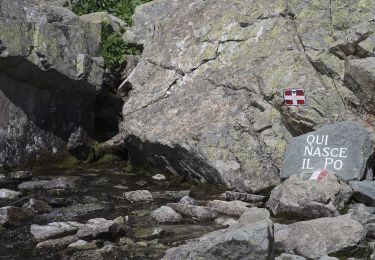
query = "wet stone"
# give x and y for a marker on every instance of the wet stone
(98, 227)
(187, 200)
(171, 195)
(344, 148)
(159, 177)
(38, 206)
(56, 244)
(20, 175)
(63, 183)
(14, 215)
(138, 196)
(199, 213)
(82, 245)
(73, 212)
(9, 194)
(166, 214)
(247, 197)
(54, 230)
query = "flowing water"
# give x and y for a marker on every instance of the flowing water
(99, 195)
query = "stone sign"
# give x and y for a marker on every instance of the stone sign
(343, 148)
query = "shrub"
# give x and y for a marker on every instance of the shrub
(123, 9)
(113, 49)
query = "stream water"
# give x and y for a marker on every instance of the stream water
(98, 194)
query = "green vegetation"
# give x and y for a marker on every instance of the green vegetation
(123, 9)
(114, 50)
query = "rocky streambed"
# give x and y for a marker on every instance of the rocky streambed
(121, 213)
(43, 214)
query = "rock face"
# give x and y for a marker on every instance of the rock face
(320, 237)
(249, 241)
(344, 148)
(213, 83)
(309, 199)
(51, 72)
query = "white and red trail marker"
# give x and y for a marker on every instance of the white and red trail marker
(294, 97)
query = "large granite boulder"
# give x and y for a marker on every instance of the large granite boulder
(344, 148)
(239, 241)
(205, 100)
(323, 236)
(51, 71)
(309, 198)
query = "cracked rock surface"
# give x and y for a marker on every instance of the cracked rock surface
(205, 100)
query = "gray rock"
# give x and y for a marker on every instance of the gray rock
(233, 195)
(73, 212)
(225, 221)
(328, 258)
(54, 230)
(9, 194)
(370, 230)
(82, 245)
(305, 198)
(171, 195)
(20, 175)
(187, 200)
(360, 74)
(38, 206)
(14, 215)
(371, 247)
(159, 177)
(166, 214)
(253, 215)
(138, 196)
(104, 253)
(56, 244)
(364, 191)
(51, 71)
(64, 183)
(249, 241)
(100, 18)
(361, 213)
(289, 257)
(344, 148)
(226, 120)
(94, 228)
(320, 237)
(199, 213)
(234, 208)
(281, 233)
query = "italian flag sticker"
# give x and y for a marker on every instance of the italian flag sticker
(319, 175)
